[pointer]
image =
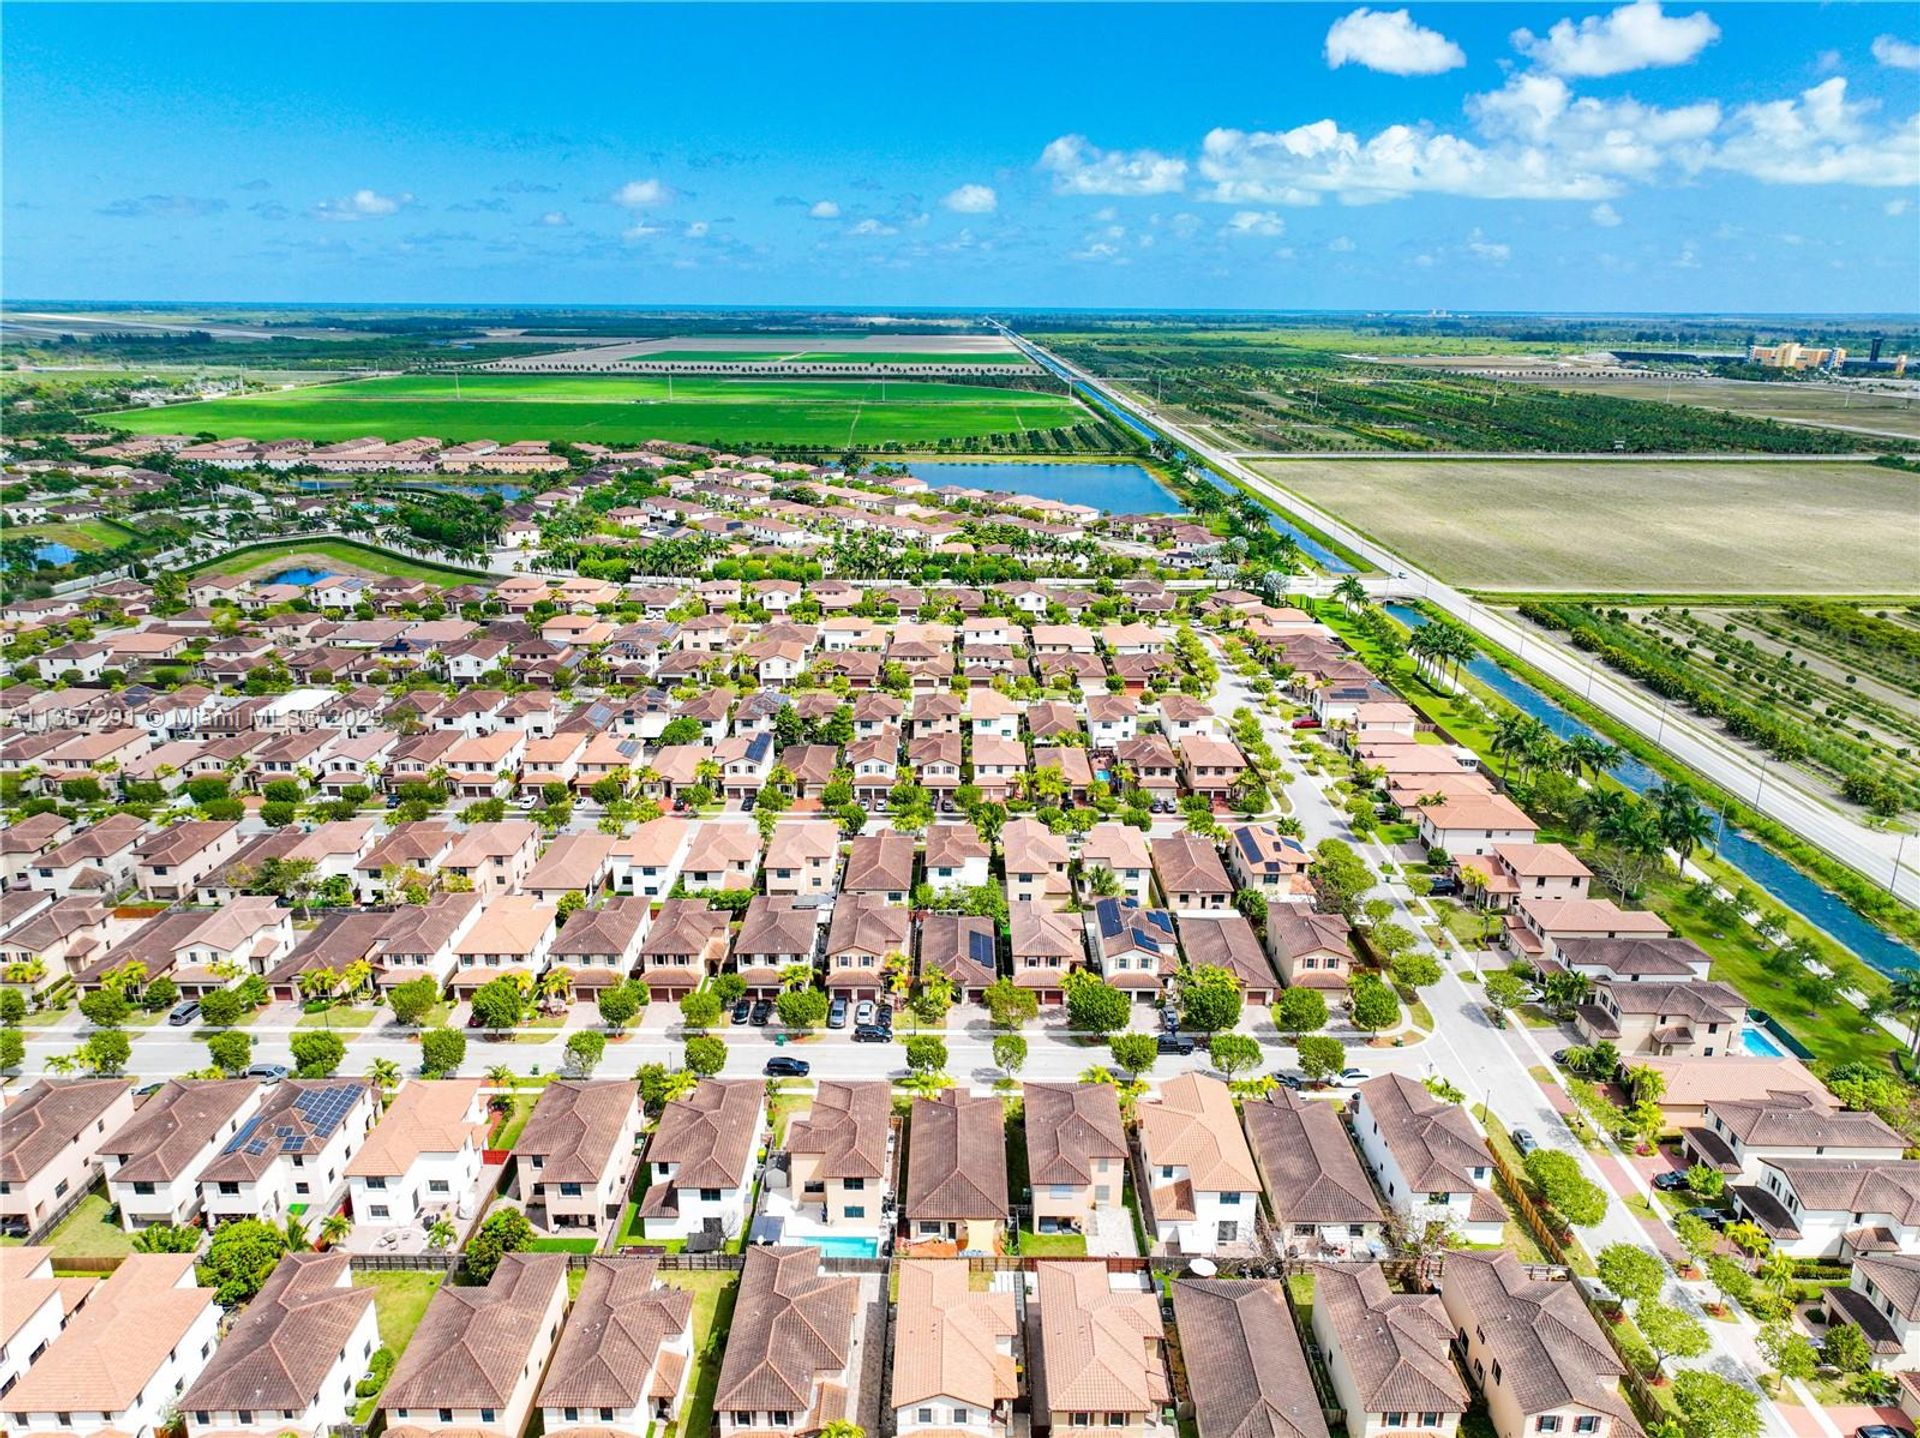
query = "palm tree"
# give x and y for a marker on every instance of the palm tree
(1591, 753)
(557, 983)
(1351, 593)
(334, 1229)
(298, 1239)
(1102, 882)
(1509, 738)
(679, 1084)
(441, 1234)
(385, 1074)
(501, 1075)
(1903, 997)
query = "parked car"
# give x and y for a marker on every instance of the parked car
(1714, 1218)
(1524, 1141)
(1306, 721)
(781, 1066)
(184, 1013)
(747, 802)
(1880, 1430)
(1672, 1181)
(1287, 1078)
(837, 1012)
(762, 1013)
(1173, 1042)
(268, 1073)
(1352, 1078)
(1443, 884)
(742, 1011)
(1560, 1056)
(872, 1034)
(864, 1011)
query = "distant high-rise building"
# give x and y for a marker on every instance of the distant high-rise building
(1791, 354)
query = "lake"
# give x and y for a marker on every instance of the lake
(303, 576)
(1117, 488)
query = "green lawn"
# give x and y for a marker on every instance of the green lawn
(565, 1245)
(342, 554)
(516, 1120)
(90, 1231)
(340, 1016)
(399, 1303)
(1052, 1245)
(713, 1298)
(75, 534)
(621, 407)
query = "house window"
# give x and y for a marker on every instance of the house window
(1430, 1420)
(709, 1195)
(446, 1415)
(960, 1417)
(1394, 1420)
(780, 1418)
(1116, 1420)
(1496, 1370)
(925, 1415)
(438, 1185)
(572, 1414)
(377, 1210)
(1083, 1420)
(853, 1185)
(486, 1415)
(1547, 1423)
(1587, 1423)
(606, 1415)
(855, 1210)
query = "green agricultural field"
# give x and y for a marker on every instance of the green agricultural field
(1675, 527)
(888, 357)
(604, 408)
(1841, 406)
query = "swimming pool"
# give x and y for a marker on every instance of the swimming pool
(1760, 1043)
(838, 1245)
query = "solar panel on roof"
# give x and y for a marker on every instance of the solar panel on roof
(980, 948)
(239, 1140)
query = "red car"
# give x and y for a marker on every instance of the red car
(1306, 721)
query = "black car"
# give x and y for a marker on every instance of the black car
(1173, 1042)
(837, 1012)
(741, 1011)
(1672, 1181)
(1560, 1056)
(1288, 1079)
(1524, 1141)
(762, 1012)
(780, 1066)
(1713, 1217)
(1443, 884)
(872, 1034)
(1880, 1430)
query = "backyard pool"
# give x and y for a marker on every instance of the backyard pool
(1760, 1044)
(842, 1245)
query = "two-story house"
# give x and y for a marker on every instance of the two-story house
(1204, 1191)
(1076, 1153)
(701, 1160)
(1389, 1354)
(957, 1171)
(153, 1162)
(292, 1153)
(576, 1158)
(625, 1359)
(1427, 1158)
(423, 1157)
(840, 1156)
(954, 1374)
(789, 1352)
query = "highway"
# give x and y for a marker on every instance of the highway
(1879, 855)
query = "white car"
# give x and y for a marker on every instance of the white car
(1351, 1078)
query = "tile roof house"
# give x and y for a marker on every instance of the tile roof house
(1076, 1153)
(687, 944)
(153, 1163)
(964, 947)
(881, 866)
(955, 857)
(1047, 945)
(1882, 1300)
(1245, 1367)
(600, 947)
(475, 1361)
(423, 1156)
(1137, 948)
(120, 1366)
(51, 1138)
(1389, 1354)
(1096, 1352)
(1533, 1349)
(1311, 950)
(840, 1155)
(957, 1171)
(1204, 1189)
(776, 934)
(1227, 941)
(953, 1362)
(803, 858)
(1664, 1018)
(865, 930)
(1427, 1157)
(701, 1158)
(1122, 851)
(1036, 862)
(1317, 1189)
(575, 1159)
(1190, 873)
(290, 1363)
(1737, 1135)
(625, 1357)
(1260, 857)
(1834, 1207)
(293, 1151)
(789, 1353)
(38, 1307)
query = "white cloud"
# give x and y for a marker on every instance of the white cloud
(556, 219)
(1080, 167)
(640, 230)
(1820, 138)
(1491, 251)
(873, 227)
(1604, 215)
(1185, 225)
(362, 205)
(1686, 259)
(1256, 222)
(1895, 208)
(1637, 36)
(824, 210)
(1895, 53)
(1389, 41)
(1342, 245)
(697, 230)
(637, 194)
(972, 200)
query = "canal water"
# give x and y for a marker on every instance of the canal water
(1768, 871)
(1117, 488)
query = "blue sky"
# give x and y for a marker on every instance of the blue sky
(1710, 156)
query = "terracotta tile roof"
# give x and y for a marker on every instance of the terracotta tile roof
(113, 1347)
(1244, 1362)
(1434, 1143)
(1800, 1120)
(1551, 1351)
(577, 1129)
(1396, 1346)
(957, 1158)
(171, 1128)
(1099, 1348)
(1069, 1127)
(287, 1339)
(612, 1342)
(1312, 1173)
(427, 1116)
(1890, 1187)
(949, 1341)
(1193, 1126)
(297, 1117)
(848, 1127)
(1186, 863)
(1227, 941)
(39, 1125)
(961, 946)
(708, 1134)
(472, 1344)
(26, 1276)
(792, 1331)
